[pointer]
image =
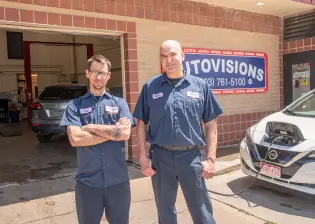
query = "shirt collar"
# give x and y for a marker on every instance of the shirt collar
(89, 94)
(165, 79)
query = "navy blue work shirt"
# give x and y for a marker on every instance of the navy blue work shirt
(175, 113)
(104, 164)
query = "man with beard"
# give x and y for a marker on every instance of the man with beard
(174, 105)
(97, 125)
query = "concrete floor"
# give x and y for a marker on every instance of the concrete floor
(23, 159)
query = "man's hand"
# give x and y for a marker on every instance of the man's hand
(146, 166)
(208, 169)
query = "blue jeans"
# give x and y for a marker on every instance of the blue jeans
(91, 202)
(184, 168)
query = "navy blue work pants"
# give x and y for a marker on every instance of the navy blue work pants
(184, 168)
(91, 202)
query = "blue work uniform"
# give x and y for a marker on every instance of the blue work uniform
(102, 176)
(174, 114)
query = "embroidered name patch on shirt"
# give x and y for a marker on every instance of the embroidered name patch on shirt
(193, 94)
(112, 110)
(157, 95)
(86, 110)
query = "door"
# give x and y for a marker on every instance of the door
(298, 75)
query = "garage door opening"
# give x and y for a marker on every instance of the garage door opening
(54, 59)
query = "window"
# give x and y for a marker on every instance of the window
(59, 93)
(15, 45)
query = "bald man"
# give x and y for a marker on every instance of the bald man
(174, 105)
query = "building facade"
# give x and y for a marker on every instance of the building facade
(143, 25)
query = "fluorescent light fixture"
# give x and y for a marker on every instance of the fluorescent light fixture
(260, 3)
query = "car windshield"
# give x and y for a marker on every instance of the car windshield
(62, 93)
(305, 107)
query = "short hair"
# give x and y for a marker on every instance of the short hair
(100, 59)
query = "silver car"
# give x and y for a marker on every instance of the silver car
(49, 107)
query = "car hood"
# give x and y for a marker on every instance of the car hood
(305, 124)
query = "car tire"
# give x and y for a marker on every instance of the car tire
(43, 138)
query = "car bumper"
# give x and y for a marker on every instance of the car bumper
(303, 180)
(46, 129)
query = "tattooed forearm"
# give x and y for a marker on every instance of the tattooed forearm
(110, 132)
(113, 132)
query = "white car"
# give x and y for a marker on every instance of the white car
(290, 160)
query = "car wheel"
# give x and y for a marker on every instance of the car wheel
(43, 138)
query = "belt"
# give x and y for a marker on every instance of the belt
(179, 147)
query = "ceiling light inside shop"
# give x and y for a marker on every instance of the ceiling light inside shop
(260, 3)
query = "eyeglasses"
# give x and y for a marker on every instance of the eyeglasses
(96, 73)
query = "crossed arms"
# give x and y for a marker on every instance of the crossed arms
(93, 134)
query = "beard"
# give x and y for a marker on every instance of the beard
(98, 86)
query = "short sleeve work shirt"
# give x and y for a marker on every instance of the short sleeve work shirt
(175, 113)
(101, 165)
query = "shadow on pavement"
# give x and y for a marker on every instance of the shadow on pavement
(274, 197)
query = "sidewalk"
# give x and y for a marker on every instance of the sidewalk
(53, 202)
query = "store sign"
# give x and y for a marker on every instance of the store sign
(229, 72)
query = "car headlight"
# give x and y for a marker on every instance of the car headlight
(249, 141)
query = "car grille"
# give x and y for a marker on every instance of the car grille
(284, 156)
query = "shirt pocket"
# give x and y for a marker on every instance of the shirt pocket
(193, 106)
(87, 118)
(110, 118)
(158, 108)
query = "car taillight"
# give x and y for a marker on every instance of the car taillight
(36, 106)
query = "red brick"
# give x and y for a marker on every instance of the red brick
(286, 51)
(189, 19)
(158, 14)
(166, 5)
(132, 97)
(188, 7)
(12, 14)
(132, 87)
(111, 25)
(40, 2)
(313, 47)
(149, 13)
(110, 8)
(165, 15)
(77, 4)
(89, 5)
(149, 4)
(130, 2)
(286, 46)
(78, 21)
(26, 1)
(101, 24)
(53, 3)
(292, 44)
(131, 76)
(131, 27)
(131, 43)
(121, 9)
(219, 13)
(130, 10)
(173, 6)
(122, 26)
(130, 54)
(139, 12)
(27, 16)
(100, 6)
(299, 43)
(173, 17)
(307, 42)
(1, 13)
(181, 7)
(53, 19)
(66, 20)
(66, 4)
(40, 17)
(181, 18)
(139, 3)
(90, 22)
